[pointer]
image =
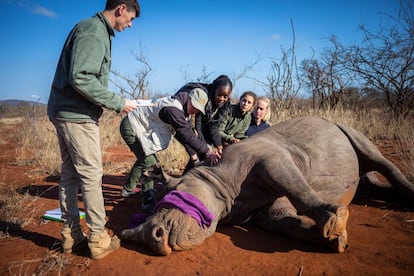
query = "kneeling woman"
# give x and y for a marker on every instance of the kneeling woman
(150, 129)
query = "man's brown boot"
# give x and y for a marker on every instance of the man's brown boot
(72, 239)
(102, 244)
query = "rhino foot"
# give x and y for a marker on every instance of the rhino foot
(340, 243)
(335, 225)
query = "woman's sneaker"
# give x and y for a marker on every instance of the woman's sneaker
(127, 193)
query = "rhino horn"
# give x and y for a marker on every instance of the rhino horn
(155, 237)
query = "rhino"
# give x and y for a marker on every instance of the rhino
(296, 178)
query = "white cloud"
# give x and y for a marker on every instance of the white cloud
(36, 97)
(275, 37)
(43, 11)
(33, 8)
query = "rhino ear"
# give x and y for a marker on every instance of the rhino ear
(157, 172)
(171, 182)
(376, 179)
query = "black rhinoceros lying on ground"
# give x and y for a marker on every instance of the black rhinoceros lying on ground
(297, 177)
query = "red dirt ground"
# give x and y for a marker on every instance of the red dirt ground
(380, 233)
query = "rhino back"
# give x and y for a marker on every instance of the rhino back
(317, 148)
(325, 156)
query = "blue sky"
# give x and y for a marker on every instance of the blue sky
(222, 36)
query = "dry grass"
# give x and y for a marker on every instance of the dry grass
(374, 124)
(174, 158)
(53, 263)
(38, 143)
(38, 147)
(11, 121)
(109, 127)
(16, 210)
(404, 145)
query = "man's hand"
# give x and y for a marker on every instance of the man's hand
(129, 106)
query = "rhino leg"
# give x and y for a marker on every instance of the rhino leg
(282, 217)
(284, 176)
(371, 159)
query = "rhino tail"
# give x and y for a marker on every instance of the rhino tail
(371, 159)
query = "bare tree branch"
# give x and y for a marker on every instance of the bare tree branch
(385, 60)
(134, 87)
(283, 82)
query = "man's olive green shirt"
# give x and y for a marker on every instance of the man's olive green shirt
(80, 86)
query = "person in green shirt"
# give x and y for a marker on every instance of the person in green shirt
(234, 125)
(78, 94)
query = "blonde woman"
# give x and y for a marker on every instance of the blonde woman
(260, 116)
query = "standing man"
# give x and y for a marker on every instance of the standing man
(79, 91)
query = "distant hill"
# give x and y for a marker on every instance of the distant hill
(18, 108)
(19, 102)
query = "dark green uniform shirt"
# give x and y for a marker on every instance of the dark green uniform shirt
(80, 86)
(234, 124)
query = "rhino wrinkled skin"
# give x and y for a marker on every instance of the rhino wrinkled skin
(296, 178)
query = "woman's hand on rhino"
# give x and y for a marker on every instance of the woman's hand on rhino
(212, 157)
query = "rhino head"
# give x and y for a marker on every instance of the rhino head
(169, 229)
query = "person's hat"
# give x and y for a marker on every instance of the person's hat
(199, 99)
